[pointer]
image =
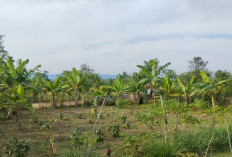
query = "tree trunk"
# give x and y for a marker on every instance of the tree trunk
(62, 99)
(69, 99)
(138, 98)
(53, 101)
(9, 113)
(213, 117)
(213, 103)
(186, 100)
(76, 93)
(154, 96)
(18, 117)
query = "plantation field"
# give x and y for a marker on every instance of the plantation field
(79, 117)
(62, 129)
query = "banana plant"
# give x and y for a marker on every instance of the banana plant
(117, 87)
(136, 88)
(18, 76)
(211, 85)
(75, 82)
(185, 90)
(152, 76)
(17, 101)
(53, 87)
(167, 86)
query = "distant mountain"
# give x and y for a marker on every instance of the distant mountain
(108, 76)
(53, 76)
(103, 76)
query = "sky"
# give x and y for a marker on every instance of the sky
(113, 36)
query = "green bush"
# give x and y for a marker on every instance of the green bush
(15, 148)
(114, 130)
(100, 135)
(78, 138)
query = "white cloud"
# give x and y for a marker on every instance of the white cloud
(114, 36)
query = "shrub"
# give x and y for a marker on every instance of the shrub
(114, 130)
(63, 117)
(78, 138)
(100, 135)
(16, 148)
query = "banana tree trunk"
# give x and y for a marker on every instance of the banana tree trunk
(213, 102)
(186, 100)
(62, 99)
(76, 93)
(19, 117)
(9, 113)
(68, 99)
(53, 100)
(154, 97)
(138, 97)
(213, 117)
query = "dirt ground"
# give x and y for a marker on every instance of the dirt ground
(62, 129)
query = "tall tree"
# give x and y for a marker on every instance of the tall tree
(2, 49)
(85, 68)
(196, 65)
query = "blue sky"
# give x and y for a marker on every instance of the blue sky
(113, 36)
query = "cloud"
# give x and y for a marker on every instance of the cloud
(115, 36)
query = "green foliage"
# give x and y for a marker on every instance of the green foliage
(152, 118)
(114, 130)
(63, 117)
(198, 141)
(35, 116)
(132, 144)
(100, 135)
(48, 129)
(15, 148)
(124, 119)
(160, 148)
(78, 138)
